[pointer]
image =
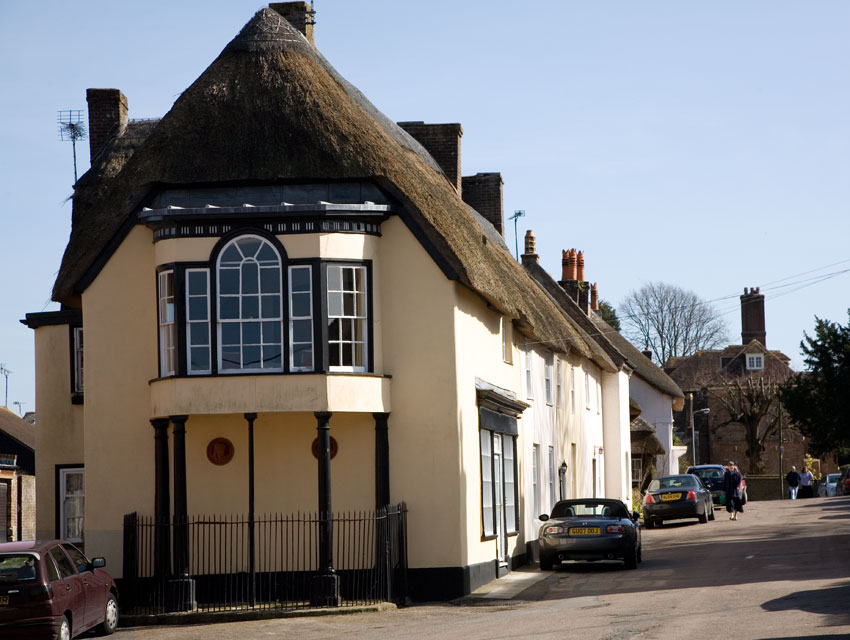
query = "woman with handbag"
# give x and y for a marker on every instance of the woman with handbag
(732, 485)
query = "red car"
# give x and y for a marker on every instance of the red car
(843, 486)
(50, 589)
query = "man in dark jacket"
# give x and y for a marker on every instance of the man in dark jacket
(793, 480)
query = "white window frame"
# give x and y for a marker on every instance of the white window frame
(488, 503)
(65, 495)
(552, 498)
(572, 389)
(755, 361)
(359, 318)
(587, 391)
(192, 321)
(535, 479)
(510, 488)
(78, 359)
(529, 381)
(547, 373)
(308, 319)
(598, 397)
(240, 321)
(166, 309)
(637, 469)
(559, 387)
(506, 331)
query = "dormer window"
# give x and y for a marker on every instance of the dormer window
(755, 362)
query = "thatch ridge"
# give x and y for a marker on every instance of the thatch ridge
(270, 108)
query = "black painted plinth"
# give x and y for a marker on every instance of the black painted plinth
(324, 590)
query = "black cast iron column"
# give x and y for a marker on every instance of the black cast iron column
(181, 514)
(382, 460)
(162, 500)
(252, 548)
(325, 592)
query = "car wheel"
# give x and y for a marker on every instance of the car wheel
(711, 513)
(64, 629)
(110, 617)
(545, 563)
(631, 559)
(703, 517)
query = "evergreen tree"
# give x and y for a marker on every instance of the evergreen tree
(609, 314)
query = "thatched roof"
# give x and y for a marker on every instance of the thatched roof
(643, 438)
(272, 109)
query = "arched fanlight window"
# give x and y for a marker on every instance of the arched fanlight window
(250, 309)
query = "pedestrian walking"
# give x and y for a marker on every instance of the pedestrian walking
(732, 480)
(806, 480)
(793, 480)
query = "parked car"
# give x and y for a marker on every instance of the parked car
(677, 497)
(589, 529)
(50, 589)
(712, 477)
(828, 485)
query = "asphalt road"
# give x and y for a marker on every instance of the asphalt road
(781, 572)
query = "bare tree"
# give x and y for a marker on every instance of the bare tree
(671, 321)
(752, 402)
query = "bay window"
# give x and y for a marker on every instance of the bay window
(167, 326)
(301, 318)
(347, 318)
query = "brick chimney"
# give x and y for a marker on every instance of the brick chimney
(108, 117)
(530, 255)
(483, 192)
(647, 353)
(572, 274)
(299, 14)
(442, 141)
(752, 317)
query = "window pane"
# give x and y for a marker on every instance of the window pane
(347, 279)
(334, 279)
(359, 356)
(251, 333)
(199, 358)
(334, 358)
(300, 279)
(229, 307)
(197, 283)
(302, 331)
(250, 307)
(231, 255)
(251, 357)
(347, 355)
(487, 513)
(347, 330)
(334, 304)
(228, 281)
(267, 255)
(199, 334)
(271, 308)
(270, 280)
(198, 308)
(230, 333)
(271, 358)
(250, 277)
(302, 356)
(334, 330)
(301, 305)
(271, 332)
(230, 357)
(248, 246)
(348, 304)
(360, 311)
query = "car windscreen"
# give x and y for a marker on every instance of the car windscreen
(589, 509)
(672, 482)
(18, 568)
(711, 477)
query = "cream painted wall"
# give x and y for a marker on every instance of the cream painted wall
(59, 436)
(119, 311)
(617, 435)
(478, 345)
(591, 440)
(417, 334)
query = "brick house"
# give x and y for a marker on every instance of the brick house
(17, 478)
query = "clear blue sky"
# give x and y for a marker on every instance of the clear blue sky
(700, 144)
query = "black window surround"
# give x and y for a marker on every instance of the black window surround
(318, 276)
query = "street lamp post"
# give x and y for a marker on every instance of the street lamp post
(691, 414)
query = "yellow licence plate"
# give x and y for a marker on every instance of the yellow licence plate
(4, 600)
(667, 497)
(584, 531)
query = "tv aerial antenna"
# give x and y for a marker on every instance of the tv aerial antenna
(5, 372)
(71, 127)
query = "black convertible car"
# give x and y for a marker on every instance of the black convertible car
(589, 529)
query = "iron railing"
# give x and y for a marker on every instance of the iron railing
(220, 572)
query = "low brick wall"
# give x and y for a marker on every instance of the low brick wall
(765, 488)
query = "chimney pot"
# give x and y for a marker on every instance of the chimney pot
(530, 256)
(580, 266)
(594, 297)
(299, 14)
